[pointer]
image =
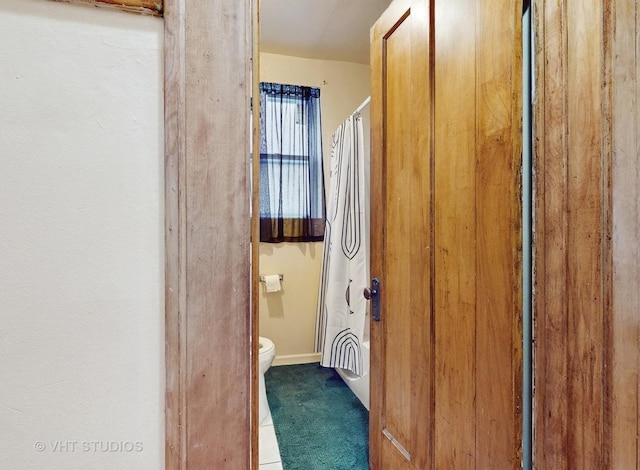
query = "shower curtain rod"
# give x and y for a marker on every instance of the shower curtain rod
(363, 105)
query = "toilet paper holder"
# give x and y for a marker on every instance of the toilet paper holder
(279, 275)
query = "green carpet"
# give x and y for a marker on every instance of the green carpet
(320, 424)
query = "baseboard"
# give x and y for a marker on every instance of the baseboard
(296, 359)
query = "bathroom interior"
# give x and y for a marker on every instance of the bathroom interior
(332, 55)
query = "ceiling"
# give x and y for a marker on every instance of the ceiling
(319, 29)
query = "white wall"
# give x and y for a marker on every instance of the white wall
(289, 317)
(81, 238)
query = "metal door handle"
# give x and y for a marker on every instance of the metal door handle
(373, 293)
(369, 293)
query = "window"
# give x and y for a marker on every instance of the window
(292, 206)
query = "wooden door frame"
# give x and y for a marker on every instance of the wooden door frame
(586, 323)
(211, 334)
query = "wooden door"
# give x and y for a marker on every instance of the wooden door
(446, 235)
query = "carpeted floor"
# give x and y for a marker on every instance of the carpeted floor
(319, 422)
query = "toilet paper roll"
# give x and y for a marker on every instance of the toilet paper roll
(272, 283)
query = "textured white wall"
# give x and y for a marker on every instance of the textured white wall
(81, 238)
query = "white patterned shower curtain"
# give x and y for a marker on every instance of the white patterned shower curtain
(341, 306)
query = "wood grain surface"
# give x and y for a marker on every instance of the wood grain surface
(208, 320)
(446, 242)
(148, 7)
(587, 235)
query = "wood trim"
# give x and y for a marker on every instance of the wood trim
(608, 106)
(208, 327)
(549, 326)
(175, 225)
(150, 4)
(623, 327)
(587, 328)
(255, 233)
(149, 7)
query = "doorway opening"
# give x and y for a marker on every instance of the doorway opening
(325, 45)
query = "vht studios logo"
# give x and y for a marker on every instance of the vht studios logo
(89, 446)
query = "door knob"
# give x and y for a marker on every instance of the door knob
(369, 293)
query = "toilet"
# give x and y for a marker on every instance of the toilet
(266, 354)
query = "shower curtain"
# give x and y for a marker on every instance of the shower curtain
(341, 306)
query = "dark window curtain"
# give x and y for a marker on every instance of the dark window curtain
(292, 206)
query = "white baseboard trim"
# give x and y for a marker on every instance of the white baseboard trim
(296, 359)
